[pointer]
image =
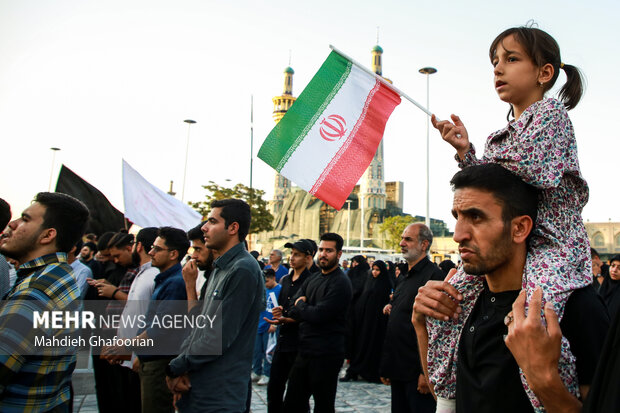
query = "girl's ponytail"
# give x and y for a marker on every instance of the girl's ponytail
(571, 92)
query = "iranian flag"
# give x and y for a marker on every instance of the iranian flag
(327, 139)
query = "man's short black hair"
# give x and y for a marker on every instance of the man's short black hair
(91, 245)
(269, 273)
(315, 247)
(235, 210)
(5, 214)
(594, 253)
(120, 240)
(196, 233)
(146, 237)
(104, 239)
(517, 197)
(67, 215)
(175, 239)
(332, 236)
(78, 246)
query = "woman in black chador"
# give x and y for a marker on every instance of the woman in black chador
(371, 324)
(358, 274)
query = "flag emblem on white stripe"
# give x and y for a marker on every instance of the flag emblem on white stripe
(333, 128)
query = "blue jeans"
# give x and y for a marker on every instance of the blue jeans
(260, 365)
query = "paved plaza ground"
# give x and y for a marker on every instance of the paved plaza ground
(360, 397)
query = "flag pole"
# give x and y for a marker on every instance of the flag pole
(382, 80)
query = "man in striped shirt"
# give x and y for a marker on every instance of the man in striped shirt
(38, 379)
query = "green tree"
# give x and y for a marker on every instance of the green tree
(261, 217)
(394, 227)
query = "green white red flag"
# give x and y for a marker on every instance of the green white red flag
(327, 139)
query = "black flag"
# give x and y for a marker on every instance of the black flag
(103, 216)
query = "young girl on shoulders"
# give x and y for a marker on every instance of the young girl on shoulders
(538, 145)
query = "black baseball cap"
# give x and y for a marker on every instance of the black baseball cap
(302, 245)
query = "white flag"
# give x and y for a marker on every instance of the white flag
(148, 206)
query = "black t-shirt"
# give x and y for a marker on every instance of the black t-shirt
(400, 359)
(487, 374)
(288, 339)
(322, 316)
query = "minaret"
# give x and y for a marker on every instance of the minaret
(372, 185)
(281, 104)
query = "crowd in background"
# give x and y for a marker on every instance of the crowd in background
(314, 313)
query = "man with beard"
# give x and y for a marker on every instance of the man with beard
(321, 308)
(39, 240)
(137, 301)
(400, 364)
(212, 372)
(495, 213)
(201, 262)
(87, 253)
(285, 352)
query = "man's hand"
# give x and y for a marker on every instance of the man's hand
(453, 133)
(385, 381)
(190, 272)
(277, 311)
(106, 289)
(96, 282)
(115, 354)
(302, 298)
(536, 349)
(272, 328)
(437, 299)
(178, 386)
(280, 320)
(387, 309)
(423, 387)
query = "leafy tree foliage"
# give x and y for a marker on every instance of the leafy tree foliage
(261, 217)
(394, 227)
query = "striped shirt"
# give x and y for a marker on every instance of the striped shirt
(28, 381)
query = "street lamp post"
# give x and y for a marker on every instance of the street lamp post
(427, 71)
(348, 220)
(251, 136)
(54, 150)
(362, 223)
(189, 125)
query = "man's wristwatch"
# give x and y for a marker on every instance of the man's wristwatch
(170, 374)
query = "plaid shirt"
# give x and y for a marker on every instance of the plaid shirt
(116, 306)
(33, 383)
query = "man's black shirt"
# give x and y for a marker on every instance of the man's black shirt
(322, 317)
(401, 360)
(288, 340)
(487, 374)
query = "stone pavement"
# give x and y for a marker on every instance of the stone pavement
(358, 397)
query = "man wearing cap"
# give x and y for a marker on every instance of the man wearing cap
(313, 267)
(320, 307)
(284, 355)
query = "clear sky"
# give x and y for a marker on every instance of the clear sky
(106, 80)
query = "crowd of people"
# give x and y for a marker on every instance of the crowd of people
(295, 335)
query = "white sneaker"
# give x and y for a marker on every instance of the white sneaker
(255, 377)
(263, 381)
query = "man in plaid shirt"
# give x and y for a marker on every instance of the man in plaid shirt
(32, 380)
